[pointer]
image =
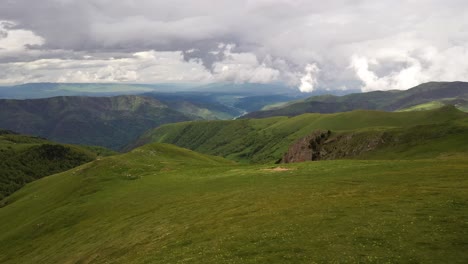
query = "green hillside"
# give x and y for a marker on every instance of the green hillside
(378, 100)
(266, 140)
(26, 158)
(163, 204)
(114, 122)
(425, 106)
(110, 122)
(460, 104)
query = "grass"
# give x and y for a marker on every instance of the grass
(424, 106)
(163, 204)
(266, 140)
(459, 104)
(405, 202)
(27, 158)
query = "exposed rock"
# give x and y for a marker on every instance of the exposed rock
(306, 148)
(322, 145)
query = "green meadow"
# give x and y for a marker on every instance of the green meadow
(164, 204)
(405, 201)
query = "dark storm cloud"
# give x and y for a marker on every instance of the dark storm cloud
(382, 44)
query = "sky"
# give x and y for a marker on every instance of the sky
(307, 45)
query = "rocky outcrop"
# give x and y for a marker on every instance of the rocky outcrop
(307, 148)
(325, 145)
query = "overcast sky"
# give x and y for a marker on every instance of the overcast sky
(333, 44)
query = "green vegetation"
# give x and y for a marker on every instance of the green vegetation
(378, 100)
(25, 159)
(402, 200)
(114, 122)
(163, 204)
(425, 106)
(460, 104)
(111, 122)
(420, 134)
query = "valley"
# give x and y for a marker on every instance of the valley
(356, 186)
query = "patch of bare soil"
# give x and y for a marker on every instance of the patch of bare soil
(277, 169)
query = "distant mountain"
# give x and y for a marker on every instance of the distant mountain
(114, 122)
(27, 158)
(111, 122)
(46, 90)
(379, 100)
(211, 101)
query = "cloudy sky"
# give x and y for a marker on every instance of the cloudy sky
(333, 44)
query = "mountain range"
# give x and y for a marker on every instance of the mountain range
(110, 122)
(46, 90)
(116, 121)
(432, 93)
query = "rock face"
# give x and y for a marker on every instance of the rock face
(324, 145)
(307, 148)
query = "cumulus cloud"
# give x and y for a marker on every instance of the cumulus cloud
(309, 80)
(242, 67)
(411, 68)
(400, 79)
(16, 41)
(363, 44)
(141, 67)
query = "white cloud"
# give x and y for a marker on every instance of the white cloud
(309, 80)
(242, 67)
(142, 67)
(15, 41)
(416, 66)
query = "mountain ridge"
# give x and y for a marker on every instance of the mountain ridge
(105, 121)
(377, 100)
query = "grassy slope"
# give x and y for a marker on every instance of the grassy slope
(25, 158)
(425, 106)
(460, 104)
(162, 204)
(111, 122)
(265, 140)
